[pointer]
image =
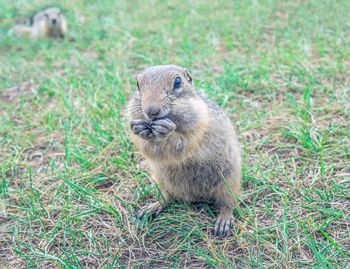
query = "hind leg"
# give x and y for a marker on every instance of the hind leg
(225, 196)
(153, 210)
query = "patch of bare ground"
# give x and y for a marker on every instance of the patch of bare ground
(21, 89)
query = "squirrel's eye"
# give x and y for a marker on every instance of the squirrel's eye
(177, 83)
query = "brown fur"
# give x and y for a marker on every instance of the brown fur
(190, 143)
(47, 23)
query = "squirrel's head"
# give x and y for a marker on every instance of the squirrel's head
(53, 16)
(162, 87)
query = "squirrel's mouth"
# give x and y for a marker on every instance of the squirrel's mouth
(162, 115)
(55, 24)
(161, 118)
(148, 123)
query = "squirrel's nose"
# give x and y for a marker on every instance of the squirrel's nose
(153, 111)
(54, 21)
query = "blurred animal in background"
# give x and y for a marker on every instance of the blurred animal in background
(47, 23)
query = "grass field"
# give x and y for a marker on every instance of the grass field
(71, 182)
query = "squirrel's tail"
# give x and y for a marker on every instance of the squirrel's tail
(20, 30)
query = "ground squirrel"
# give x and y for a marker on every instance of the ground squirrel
(47, 23)
(188, 141)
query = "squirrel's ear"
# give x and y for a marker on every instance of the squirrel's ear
(188, 76)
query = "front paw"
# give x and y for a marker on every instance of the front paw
(162, 127)
(142, 128)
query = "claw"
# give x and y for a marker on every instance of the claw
(232, 220)
(227, 227)
(158, 213)
(142, 128)
(222, 226)
(162, 127)
(222, 229)
(151, 210)
(141, 214)
(217, 226)
(146, 134)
